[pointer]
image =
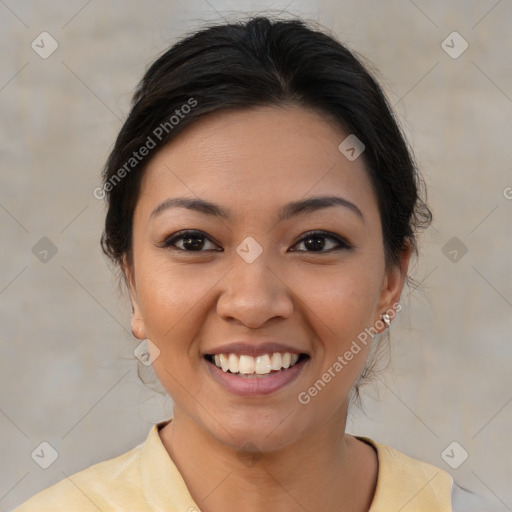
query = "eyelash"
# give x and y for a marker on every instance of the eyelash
(194, 234)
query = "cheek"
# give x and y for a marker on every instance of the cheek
(340, 322)
(169, 303)
(343, 300)
(341, 307)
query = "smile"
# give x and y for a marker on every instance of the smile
(247, 366)
(277, 371)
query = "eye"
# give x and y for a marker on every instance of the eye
(191, 240)
(197, 241)
(315, 241)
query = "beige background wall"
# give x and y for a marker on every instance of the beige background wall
(68, 374)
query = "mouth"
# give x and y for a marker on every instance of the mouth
(264, 365)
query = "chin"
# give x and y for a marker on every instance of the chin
(255, 432)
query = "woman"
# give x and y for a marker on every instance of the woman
(263, 207)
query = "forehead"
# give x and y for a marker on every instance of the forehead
(256, 156)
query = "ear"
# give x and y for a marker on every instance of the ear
(138, 327)
(392, 285)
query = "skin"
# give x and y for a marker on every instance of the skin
(252, 162)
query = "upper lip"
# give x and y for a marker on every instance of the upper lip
(254, 349)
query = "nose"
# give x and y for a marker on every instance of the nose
(254, 293)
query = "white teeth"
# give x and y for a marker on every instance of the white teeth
(263, 364)
(246, 363)
(233, 363)
(224, 363)
(260, 365)
(276, 361)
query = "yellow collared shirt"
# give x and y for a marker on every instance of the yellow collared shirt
(145, 479)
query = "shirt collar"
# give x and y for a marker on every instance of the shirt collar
(407, 484)
(402, 482)
(163, 485)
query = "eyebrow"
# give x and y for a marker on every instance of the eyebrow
(289, 210)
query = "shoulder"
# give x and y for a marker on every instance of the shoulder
(408, 484)
(144, 479)
(116, 480)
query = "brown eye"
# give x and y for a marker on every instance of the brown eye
(190, 241)
(315, 241)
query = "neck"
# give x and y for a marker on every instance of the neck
(322, 471)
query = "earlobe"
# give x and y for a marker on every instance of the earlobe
(392, 286)
(138, 327)
(137, 322)
(138, 330)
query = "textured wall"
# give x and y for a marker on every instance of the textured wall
(67, 368)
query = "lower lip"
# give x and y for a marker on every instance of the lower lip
(259, 385)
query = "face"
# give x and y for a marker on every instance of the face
(232, 256)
